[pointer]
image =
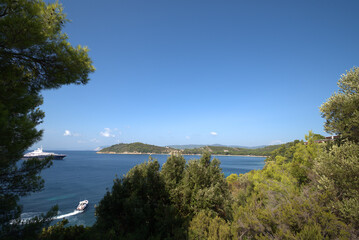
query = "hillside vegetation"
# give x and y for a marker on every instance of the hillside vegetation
(222, 150)
(214, 150)
(136, 147)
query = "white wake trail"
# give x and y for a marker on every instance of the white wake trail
(68, 214)
(24, 220)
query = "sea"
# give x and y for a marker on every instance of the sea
(88, 175)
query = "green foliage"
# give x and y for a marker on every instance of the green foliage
(281, 202)
(317, 136)
(338, 169)
(232, 178)
(172, 173)
(285, 150)
(148, 203)
(204, 188)
(341, 110)
(136, 147)
(139, 207)
(34, 55)
(172, 170)
(220, 150)
(204, 226)
(38, 52)
(337, 172)
(60, 232)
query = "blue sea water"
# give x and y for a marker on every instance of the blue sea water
(87, 175)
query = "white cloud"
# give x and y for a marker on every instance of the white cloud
(276, 142)
(188, 137)
(107, 133)
(67, 133)
(98, 149)
(213, 133)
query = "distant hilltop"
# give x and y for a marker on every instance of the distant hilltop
(141, 148)
(136, 148)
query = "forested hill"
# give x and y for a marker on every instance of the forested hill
(136, 148)
(222, 150)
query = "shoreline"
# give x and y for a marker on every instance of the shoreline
(198, 154)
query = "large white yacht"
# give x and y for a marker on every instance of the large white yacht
(38, 153)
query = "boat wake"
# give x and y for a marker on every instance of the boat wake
(68, 214)
(26, 217)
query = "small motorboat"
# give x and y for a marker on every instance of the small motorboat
(82, 205)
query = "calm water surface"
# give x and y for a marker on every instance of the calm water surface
(87, 175)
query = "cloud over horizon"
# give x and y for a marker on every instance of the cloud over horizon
(69, 133)
(276, 142)
(107, 133)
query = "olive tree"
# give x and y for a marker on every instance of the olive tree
(341, 110)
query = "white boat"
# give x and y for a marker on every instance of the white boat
(38, 153)
(82, 205)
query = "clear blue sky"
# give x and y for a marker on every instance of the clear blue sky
(184, 71)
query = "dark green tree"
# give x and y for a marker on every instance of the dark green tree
(139, 207)
(60, 232)
(172, 173)
(204, 187)
(338, 176)
(34, 55)
(172, 170)
(341, 110)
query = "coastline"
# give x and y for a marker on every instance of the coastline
(138, 153)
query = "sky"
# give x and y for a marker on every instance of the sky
(243, 73)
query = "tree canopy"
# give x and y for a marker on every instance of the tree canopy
(149, 203)
(34, 55)
(139, 207)
(341, 110)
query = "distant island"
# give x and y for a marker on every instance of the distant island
(141, 148)
(137, 148)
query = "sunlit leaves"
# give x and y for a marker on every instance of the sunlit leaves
(341, 110)
(281, 202)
